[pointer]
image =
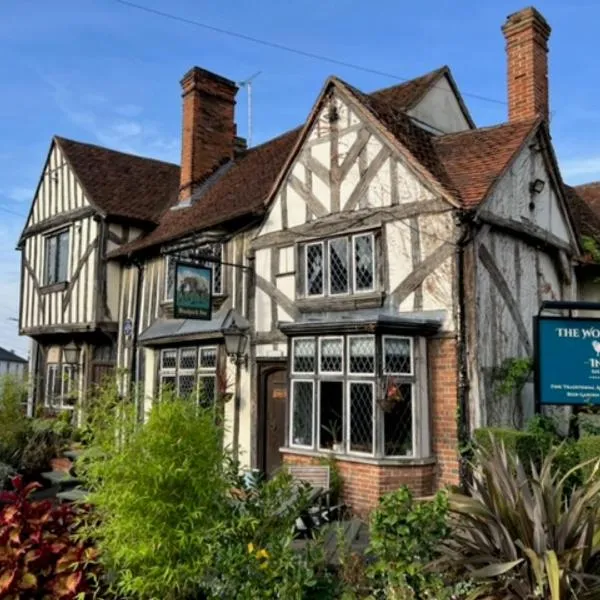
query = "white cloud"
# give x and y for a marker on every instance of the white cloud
(581, 168)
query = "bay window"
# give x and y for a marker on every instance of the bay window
(340, 266)
(355, 394)
(190, 372)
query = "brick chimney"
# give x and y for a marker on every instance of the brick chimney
(527, 34)
(209, 131)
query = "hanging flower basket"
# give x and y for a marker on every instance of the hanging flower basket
(225, 397)
(391, 396)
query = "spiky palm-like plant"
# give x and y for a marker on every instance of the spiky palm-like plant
(520, 536)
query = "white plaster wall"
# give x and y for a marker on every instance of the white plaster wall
(511, 198)
(278, 350)
(440, 109)
(399, 254)
(12, 369)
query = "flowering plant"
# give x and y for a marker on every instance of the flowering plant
(391, 395)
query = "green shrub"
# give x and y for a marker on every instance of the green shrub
(405, 535)
(176, 520)
(588, 450)
(15, 425)
(522, 536)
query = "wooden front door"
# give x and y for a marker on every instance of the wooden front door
(274, 400)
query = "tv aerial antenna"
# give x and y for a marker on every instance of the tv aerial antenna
(247, 83)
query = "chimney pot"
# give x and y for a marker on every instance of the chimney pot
(527, 33)
(208, 132)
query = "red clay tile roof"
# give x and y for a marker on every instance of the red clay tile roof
(584, 201)
(122, 185)
(240, 191)
(475, 159)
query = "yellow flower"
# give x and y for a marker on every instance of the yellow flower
(262, 554)
(250, 548)
(264, 565)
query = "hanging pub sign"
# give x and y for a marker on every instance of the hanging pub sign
(193, 292)
(567, 360)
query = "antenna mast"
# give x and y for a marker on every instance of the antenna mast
(247, 83)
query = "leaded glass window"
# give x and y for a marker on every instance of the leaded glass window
(332, 355)
(302, 413)
(338, 266)
(361, 350)
(397, 355)
(361, 417)
(398, 423)
(314, 269)
(304, 350)
(364, 263)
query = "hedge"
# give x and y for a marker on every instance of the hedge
(588, 448)
(529, 447)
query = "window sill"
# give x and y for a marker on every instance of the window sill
(384, 461)
(55, 287)
(348, 302)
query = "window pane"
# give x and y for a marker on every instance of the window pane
(169, 359)
(51, 249)
(51, 381)
(338, 266)
(68, 386)
(396, 353)
(331, 355)
(314, 269)
(208, 358)
(207, 390)
(187, 385)
(364, 264)
(362, 354)
(167, 383)
(398, 424)
(302, 415)
(331, 416)
(218, 270)
(63, 256)
(169, 278)
(361, 417)
(188, 358)
(304, 356)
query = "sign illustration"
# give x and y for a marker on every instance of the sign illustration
(567, 360)
(193, 292)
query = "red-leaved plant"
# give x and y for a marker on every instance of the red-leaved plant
(39, 557)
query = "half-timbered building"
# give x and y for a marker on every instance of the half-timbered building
(388, 256)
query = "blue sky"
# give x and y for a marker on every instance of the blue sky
(99, 71)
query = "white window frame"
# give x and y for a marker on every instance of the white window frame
(354, 263)
(350, 267)
(313, 420)
(320, 341)
(323, 267)
(316, 355)
(412, 356)
(348, 447)
(56, 234)
(67, 373)
(348, 361)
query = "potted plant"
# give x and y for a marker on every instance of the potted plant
(391, 396)
(334, 429)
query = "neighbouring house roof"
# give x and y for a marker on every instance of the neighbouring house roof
(8, 356)
(585, 206)
(119, 184)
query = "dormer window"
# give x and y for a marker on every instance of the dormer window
(215, 250)
(340, 265)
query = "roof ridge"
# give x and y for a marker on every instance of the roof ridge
(437, 71)
(277, 137)
(60, 138)
(582, 185)
(446, 136)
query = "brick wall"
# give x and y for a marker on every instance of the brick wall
(365, 483)
(526, 33)
(443, 391)
(208, 135)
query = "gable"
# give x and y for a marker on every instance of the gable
(512, 198)
(58, 191)
(441, 108)
(343, 165)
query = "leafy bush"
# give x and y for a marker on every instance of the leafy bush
(405, 535)
(520, 536)
(15, 424)
(176, 521)
(588, 451)
(39, 558)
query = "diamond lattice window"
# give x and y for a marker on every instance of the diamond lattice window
(398, 424)
(332, 352)
(169, 359)
(302, 413)
(338, 266)
(214, 251)
(304, 355)
(187, 385)
(362, 354)
(188, 358)
(397, 358)
(361, 417)
(364, 263)
(314, 269)
(207, 390)
(208, 358)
